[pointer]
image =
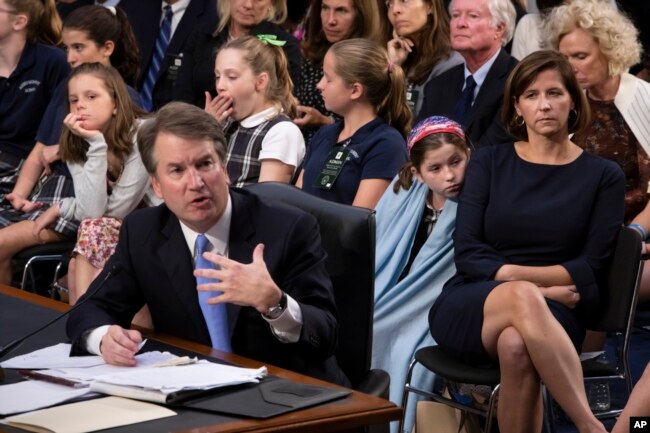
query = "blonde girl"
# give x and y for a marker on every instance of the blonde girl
(255, 106)
(353, 160)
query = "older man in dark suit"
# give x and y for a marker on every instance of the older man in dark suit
(472, 93)
(269, 297)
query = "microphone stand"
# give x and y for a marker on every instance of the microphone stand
(10, 347)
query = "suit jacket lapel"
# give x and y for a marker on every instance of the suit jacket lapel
(185, 27)
(177, 260)
(240, 248)
(488, 89)
(452, 90)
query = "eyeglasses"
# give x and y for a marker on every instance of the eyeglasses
(9, 11)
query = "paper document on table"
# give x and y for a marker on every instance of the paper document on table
(33, 394)
(51, 357)
(87, 416)
(164, 384)
(144, 360)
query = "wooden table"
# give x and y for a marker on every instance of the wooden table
(351, 413)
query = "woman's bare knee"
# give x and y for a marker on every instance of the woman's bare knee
(513, 353)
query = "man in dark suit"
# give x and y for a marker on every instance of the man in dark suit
(271, 276)
(479, 29)
(145, 17)
(65, 7)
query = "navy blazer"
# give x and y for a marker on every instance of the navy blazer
(158, 270)
(144, 16)
(483, 126)
(64, 9)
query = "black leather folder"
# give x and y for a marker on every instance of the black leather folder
(272, 396)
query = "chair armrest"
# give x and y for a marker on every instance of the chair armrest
(376, 382)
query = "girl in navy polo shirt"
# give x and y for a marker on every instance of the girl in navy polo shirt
(90, 34)
(30, 70)
(354, 160)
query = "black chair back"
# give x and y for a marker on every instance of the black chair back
(348, 237)
(621, 292)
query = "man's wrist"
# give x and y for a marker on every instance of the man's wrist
(276, 310)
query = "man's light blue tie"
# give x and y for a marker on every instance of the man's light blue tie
(464, 104)
(156, 60)
(216, 316)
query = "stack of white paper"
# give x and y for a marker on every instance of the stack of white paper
(35, 394)
(52, 357)
(87, 375)
(158, 384)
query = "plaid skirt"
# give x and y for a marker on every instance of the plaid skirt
(97, 239)
(49, 190)
(10, 166)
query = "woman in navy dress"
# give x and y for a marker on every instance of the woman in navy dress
(537, 222)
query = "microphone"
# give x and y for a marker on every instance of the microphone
(115, 269)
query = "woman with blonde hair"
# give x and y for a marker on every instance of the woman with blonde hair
(236, 18)
(353, 160)
(602, 44)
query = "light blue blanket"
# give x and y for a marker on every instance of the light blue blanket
(402, 308)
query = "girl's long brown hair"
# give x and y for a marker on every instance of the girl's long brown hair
(121, 129)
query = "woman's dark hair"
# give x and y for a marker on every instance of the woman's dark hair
(366, 25)
(431, 44)
(523, 75)
(101, 26)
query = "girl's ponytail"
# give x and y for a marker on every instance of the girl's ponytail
(110, 24)
(265, 54)
(366, 62)
(394, 108)
(126, 58)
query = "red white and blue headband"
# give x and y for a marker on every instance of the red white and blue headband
(433, 125)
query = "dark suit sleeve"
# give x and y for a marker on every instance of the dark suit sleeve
(115, 303)
(306, 280)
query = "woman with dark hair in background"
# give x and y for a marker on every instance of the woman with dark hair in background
(420, 44)
(328, 22)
